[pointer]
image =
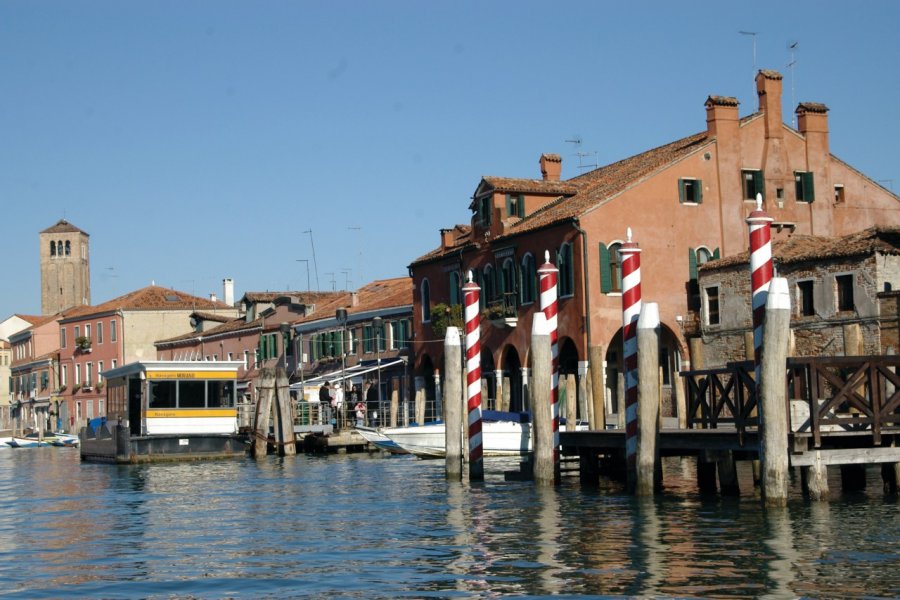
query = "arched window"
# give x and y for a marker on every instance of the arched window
(425, 297)
(52, 248)
(59, 248)
(68, 248)
(528, 280)
(566, 281)
(488, 289)
(508, 283)
(703, 256)
(455, 289)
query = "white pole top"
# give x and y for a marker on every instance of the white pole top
(779, 298)
(758, 201)
(628, 234)
(539, 325)
(546, 256)
(649, 318)
(469, 275)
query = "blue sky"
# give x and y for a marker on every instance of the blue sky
(199, 140)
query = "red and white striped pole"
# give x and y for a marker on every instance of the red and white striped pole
(548, 275)
(472, 315)
(760, 273)
(630, 255)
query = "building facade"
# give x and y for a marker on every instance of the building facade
(686, 203)
(65, 268)
(34, 372)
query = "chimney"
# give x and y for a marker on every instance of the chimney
(354, 299)
(447, 238)
(722, 117)
(228, 291)
(212, 297)
(768, 87)
(812, 120)
(551, 166)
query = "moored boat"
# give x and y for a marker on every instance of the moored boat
(379, 440)
(64, 439)
(32, 440)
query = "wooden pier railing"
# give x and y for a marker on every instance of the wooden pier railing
(852, 394)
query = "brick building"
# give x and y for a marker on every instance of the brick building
(65, 268)
(842, 297)
(686, 202)
(34, 375)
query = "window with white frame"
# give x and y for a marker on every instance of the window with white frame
(425, 298)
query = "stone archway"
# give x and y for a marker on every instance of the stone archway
(512, 391)
(488, 382)
(570, 396)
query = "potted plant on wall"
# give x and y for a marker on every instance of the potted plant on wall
(83, 343)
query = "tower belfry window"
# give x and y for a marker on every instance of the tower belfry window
(68, 248)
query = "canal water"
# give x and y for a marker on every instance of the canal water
(356, 526)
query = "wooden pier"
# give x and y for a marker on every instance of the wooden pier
(840, 411)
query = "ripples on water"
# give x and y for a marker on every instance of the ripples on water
(361, 527)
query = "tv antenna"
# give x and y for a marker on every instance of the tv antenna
(315, 264)
(752, 34)
(792, 47)
(576, 141)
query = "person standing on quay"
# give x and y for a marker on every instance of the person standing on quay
(372, 403)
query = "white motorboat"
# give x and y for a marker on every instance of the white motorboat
(379, 440)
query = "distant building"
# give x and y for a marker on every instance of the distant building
(92, 339)
(686, 202)
(8, 327)
(34, 372)
(843, 297)
(65, 268)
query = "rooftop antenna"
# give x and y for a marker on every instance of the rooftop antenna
(576, 141)
(332, 279)
(358, 230)
(305, 260)
(792, 47)
(753, 34)
(315, 264)
(346, 271)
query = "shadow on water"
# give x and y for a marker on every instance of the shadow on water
(363, 527)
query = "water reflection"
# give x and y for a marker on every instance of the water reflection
(372, 527)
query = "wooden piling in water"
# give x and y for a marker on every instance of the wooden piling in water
(545, 469)
(814, 478)
(598, 388)
(772, 396)
(453, 403)
(648, 399)
(284, 413)
(265, 390)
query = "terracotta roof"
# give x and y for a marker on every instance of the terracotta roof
(302, 297)
(803, 248)
(152, 297)
(30, 318)
(377, 295)
(234, 325)
(529, 186)
(63, 226)
(205, 316)
(813, 107)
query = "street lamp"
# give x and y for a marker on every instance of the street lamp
(377, 323)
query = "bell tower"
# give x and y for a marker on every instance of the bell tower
(65, 268)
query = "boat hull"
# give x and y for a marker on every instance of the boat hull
(379, 440)
(499, 438)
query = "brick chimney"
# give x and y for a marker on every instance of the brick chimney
(551, 166)
(447, 238)
(812, 120)
(354, 299)
(768, 87)
(721, 116)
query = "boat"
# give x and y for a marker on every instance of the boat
(379, 440)
(32, 440)
(4, 442)
(64, 439)
(502, 434)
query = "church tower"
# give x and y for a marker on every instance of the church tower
(65, 268)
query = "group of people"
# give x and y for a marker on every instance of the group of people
(364, 400)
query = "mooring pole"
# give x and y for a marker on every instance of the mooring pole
(648, 398)
(760, 224)
(630, 254)
(265, 389)
(546, 449)
(453, 403)
(286, 438)
(472, 316)
(548, 276)
(772, 407)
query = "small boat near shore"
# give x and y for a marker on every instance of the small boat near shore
(380, 440)
(32, 440)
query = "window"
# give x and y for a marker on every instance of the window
(396, 335)
(90, 410)
(65, 375)
(426, 301)
(88, 374)
(803, 185)
(484, 211)
(838, 194)
(528, 278)
(77, 374)
(488, 290)
(113, 364)
(77, 331)
(753, 183)
(844, 285)
(162, 394)
(455, 289)
(610, 271)
(112, 330)
(515, 206)
(508, 283)
(246, 358)
(59, 248)
(99, 371)
(100, 332)
(52, 248)
(87, 330)
(368, 339)
(68, 248)
(78, 410)
(712, 305)
(566, 281)
(62, 337)
(690, 191)
(805, 305)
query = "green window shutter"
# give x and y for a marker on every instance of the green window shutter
(716, 254)
(808, 193)
(759, 183)
(692, 263)
(509, 207)
(605, 275)
(520, 207)
(681, 197)
(698, 186)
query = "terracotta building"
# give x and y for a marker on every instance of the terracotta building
(92, 339)
(686, 202)
(843, 297)
(34, 372)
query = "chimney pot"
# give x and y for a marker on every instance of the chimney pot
(354, 299)
(228, 291)
(551, 167)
